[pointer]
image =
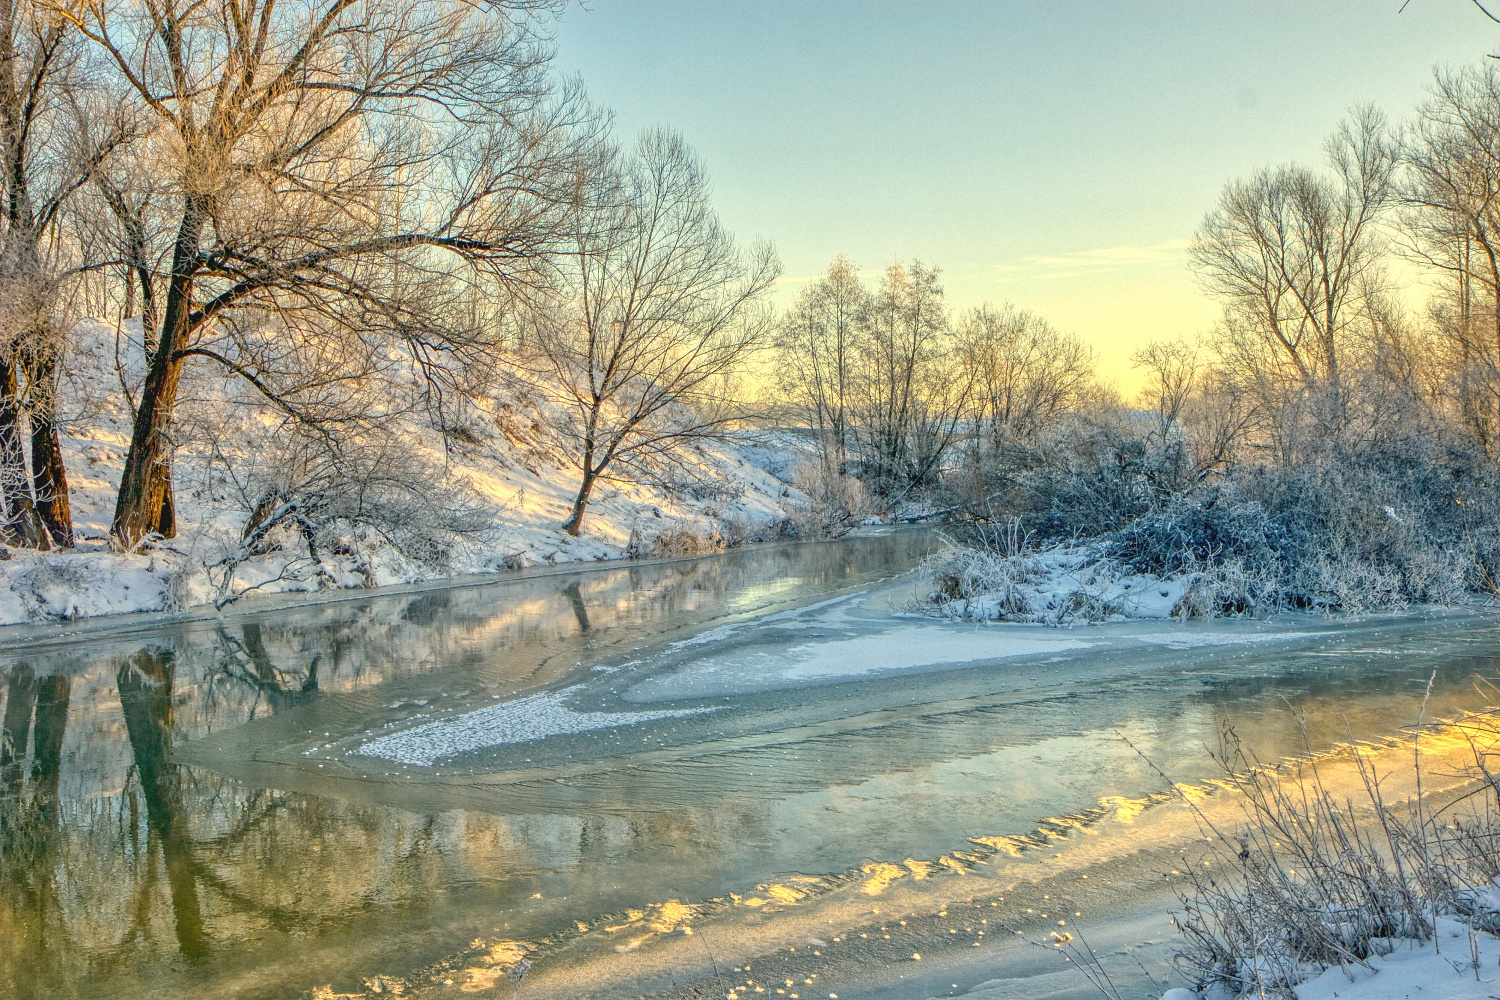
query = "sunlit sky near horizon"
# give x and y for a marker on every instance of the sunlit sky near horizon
(1054, 154)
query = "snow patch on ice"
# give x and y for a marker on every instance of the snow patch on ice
(726, 631)
(524, 720)
(790, 661)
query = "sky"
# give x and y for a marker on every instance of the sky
(1054, 154)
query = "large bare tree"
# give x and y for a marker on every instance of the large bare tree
(53, 137)
(656, 311)
(320, 162)
(1451, 216)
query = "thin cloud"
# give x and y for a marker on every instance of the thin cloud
(1082, 263)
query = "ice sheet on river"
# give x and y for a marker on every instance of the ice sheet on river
(906, 647)
(913, 646)
(831, 642)
(521, 721)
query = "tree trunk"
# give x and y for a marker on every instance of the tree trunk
(22, 525)
(145, 504)
(49, 478)
(574, 524)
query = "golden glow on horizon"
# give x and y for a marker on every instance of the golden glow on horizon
(1116, 299)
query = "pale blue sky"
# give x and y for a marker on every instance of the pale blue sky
(1055, 154)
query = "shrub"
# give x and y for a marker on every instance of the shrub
(1314, 881)
(833, 504)
(1410, 521)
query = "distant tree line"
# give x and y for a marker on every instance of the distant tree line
(891, 383)
(1320, 356)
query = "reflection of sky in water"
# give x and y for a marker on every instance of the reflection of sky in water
(300, 863)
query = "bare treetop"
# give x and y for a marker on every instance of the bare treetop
(1295, 254)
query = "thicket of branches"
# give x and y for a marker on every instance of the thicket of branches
(365, 211)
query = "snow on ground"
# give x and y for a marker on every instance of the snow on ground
(1061, 584)
(1459, 964)
(505, 462)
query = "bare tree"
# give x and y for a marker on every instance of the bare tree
(657, 309)
(905, 381)
(51, 142)
(1215, 417)
(1198, 406)
(1173, 373)
(1451, 218)
(1297, 255)
(817, 346)
(310, 149)
(1026, 374)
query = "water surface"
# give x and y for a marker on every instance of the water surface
(415, 790)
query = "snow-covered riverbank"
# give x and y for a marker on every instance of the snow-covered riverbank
(502, 465)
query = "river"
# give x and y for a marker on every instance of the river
(759, 773)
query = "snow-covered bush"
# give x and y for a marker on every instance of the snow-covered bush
(1195, 529)
(1407, 522)
(683, 538)
(329, 506)
(1004, 582)
(1057, 586)
(832, 504)
(1313, 881)
(1227, 587)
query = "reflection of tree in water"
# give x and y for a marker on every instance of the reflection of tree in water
(215, 852)
(33, 853)
(145, 683)
(580, 609)
(35, 720)
(244, 659)
(36, 919)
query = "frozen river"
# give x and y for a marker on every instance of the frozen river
(643, 779)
